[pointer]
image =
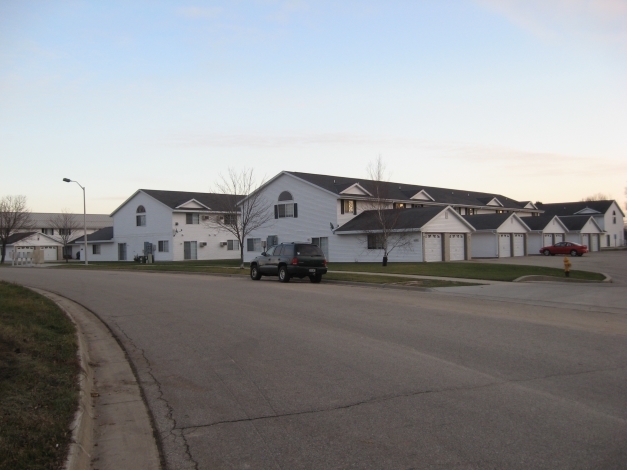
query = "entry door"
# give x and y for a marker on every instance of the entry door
(519, 244)
(121, 251)
(433, 247)
(457, 246)
(505, 248)
(595, 242)
(190, 250)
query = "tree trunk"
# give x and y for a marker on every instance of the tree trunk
(385, 261)
(241, 256)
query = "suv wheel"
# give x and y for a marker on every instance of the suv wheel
(315, 278)
(255, 275)
(284, 276)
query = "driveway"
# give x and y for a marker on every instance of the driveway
(242, 374)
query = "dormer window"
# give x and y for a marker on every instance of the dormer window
(140, 218)
(348, 206)
(286, 208)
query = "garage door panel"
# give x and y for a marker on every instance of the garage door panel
(457, 247)
(433, 247)
(519, 244)
(505, 250)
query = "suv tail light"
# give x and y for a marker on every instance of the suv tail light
(325, 262)
(294, 261)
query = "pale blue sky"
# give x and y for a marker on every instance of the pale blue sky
(524, 98)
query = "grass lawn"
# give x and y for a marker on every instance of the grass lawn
(38, 380)
(466, 269)
(395, 280)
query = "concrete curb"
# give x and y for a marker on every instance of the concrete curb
(538, 278)
(112, 425)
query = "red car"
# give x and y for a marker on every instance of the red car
(564, 248)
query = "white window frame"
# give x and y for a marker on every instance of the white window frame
(164, 246)
(253, 244)
(194, 217)
(95, 249)
(232, 245)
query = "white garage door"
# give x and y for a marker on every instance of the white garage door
(595, 242)
(50, 253)
(457, 246)
(504, 246)
(519, 244)
(585, 239)
(548, 239)
(559, 237)
(433, 247)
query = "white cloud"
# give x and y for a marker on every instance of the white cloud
(198, 12)
(600, 20)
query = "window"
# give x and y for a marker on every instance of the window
(470, 211)
(253, 244)
(47, 231)
(501, 212)
(65, 231)
(140, 220)
(229, 219)
(232, 245)
(287, 209)
(95, 249)
(140, 210)
(613, 220)
(348, 206)
(164, 246)
(286, 196)
(121, 251)
(417, 205)
(323, 243)
(399, 205)
(375, 241)
(192, 218)
(190, 250)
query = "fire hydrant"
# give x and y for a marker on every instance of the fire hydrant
(566, 266)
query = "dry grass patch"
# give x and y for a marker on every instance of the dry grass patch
(38, 380)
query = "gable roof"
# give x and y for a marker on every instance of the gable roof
(174, 199)
(572, 208)
(402, 191)
(102, 235)
(577, 222)
(541, 222)
(18, 237)
(94, 221)
(406, 219)
(491, 221)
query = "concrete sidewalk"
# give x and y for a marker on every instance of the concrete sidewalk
(112, 427)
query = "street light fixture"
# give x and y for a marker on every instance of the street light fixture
(67, 180)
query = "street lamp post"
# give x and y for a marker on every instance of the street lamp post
(67, 180)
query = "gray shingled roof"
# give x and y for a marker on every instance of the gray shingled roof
(540, 222)
(402, 191)
(173, 199)
(102, 235)
(575, 222)
(570, 208)
(16, 237)
(486, 221)
(405, 219)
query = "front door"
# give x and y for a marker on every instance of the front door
(190, 250)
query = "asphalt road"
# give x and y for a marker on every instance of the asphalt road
(264, 375)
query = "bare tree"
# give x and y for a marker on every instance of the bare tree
(244, 209)
(382, 213)
(65, 224)
(597, 197)
(14, 217)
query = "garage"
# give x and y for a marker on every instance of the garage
(548, 239)
(50, 253)
(519, 244)
(505, 245)
(585, 240)
(433, 247)
(457, 247)
(595, 242)
(559, 237)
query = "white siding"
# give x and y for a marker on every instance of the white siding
(446, 222)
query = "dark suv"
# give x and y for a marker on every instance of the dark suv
(290, 259)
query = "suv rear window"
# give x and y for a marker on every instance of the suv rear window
(309, 250)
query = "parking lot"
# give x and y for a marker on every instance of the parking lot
(242, 374)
